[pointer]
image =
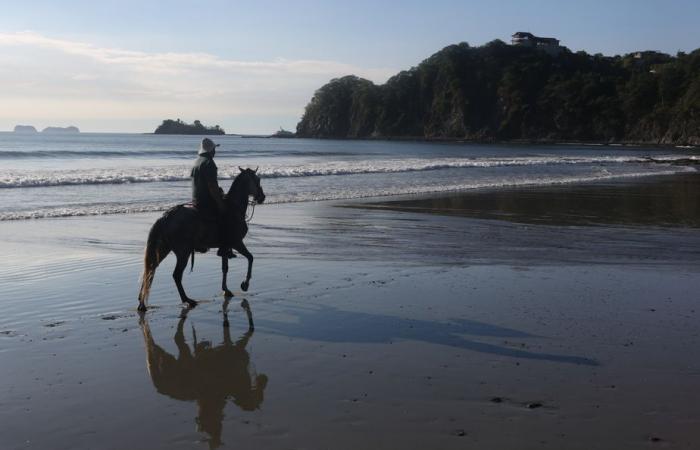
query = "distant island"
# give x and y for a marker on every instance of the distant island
(25, 129)
(533, 90)
(59, 130)
(31, 129)
(179, 127)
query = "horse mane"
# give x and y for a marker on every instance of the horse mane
(237, 181)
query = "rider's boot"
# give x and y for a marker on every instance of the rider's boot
(224, 246)
(226, 251)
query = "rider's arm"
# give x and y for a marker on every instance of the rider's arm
(215, 193)
(210, 170)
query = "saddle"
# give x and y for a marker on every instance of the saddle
(201, 214)
(207, 235)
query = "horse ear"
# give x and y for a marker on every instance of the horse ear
(241, 169)
(256, 169)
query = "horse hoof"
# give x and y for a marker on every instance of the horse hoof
(142, 307)
(228, 294)
(244, 286)
(190, 303)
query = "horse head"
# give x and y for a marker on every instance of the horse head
(247, 183)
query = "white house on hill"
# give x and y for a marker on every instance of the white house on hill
(525, 39)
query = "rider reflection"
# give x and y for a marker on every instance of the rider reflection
(207, 374)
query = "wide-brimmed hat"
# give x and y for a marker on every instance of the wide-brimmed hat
(207, 146)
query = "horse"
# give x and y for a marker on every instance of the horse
(183, 231)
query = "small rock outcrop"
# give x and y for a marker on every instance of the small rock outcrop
(24, 129)
(70, 129)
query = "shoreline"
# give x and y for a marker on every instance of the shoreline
(515, 142)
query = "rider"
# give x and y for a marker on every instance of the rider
(206, 194)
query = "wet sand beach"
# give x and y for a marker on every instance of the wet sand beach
(557, 318)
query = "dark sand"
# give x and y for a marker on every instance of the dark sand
(672, 201)
(571, 325)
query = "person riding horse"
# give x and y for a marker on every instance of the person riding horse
(207, 196)
(183, 229)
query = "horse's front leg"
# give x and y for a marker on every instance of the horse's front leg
(241, 248)
(224, 272)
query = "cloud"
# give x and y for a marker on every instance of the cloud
(70, 80)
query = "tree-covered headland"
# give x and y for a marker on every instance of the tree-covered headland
(501, 92)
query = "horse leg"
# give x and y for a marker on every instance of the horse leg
(224, 271)
(249, 314)
(224, 309)
(177, 276)
(241, 248)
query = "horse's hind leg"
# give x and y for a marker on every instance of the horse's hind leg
(224, 271)
(177, 276)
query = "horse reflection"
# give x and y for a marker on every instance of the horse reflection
(207, 374)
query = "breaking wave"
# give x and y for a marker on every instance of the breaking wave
(340, 194)
(47, 178)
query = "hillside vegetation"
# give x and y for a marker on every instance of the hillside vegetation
(504, 92)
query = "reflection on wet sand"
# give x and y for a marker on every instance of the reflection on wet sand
(662, 201)
(207, 374)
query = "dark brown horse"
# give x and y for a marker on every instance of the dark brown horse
(182, 230)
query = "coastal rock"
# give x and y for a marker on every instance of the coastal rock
(70, 129)
(25, 129)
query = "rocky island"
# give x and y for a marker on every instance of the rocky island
(70, 129)
(531, 91)
(24, 129)
(179, 127)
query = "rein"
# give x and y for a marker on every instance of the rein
(252, 204)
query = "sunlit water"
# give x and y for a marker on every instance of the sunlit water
(89, 174)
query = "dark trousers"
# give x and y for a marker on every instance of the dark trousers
(213, 215)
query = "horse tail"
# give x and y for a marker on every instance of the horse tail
(156, 250)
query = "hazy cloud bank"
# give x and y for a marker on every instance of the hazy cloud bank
(43, 79)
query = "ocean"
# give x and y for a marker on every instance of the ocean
(98, 173)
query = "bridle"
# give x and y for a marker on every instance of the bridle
(252, 203)
(250, 211)
(249, 217)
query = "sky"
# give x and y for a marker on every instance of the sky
(252, 66)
